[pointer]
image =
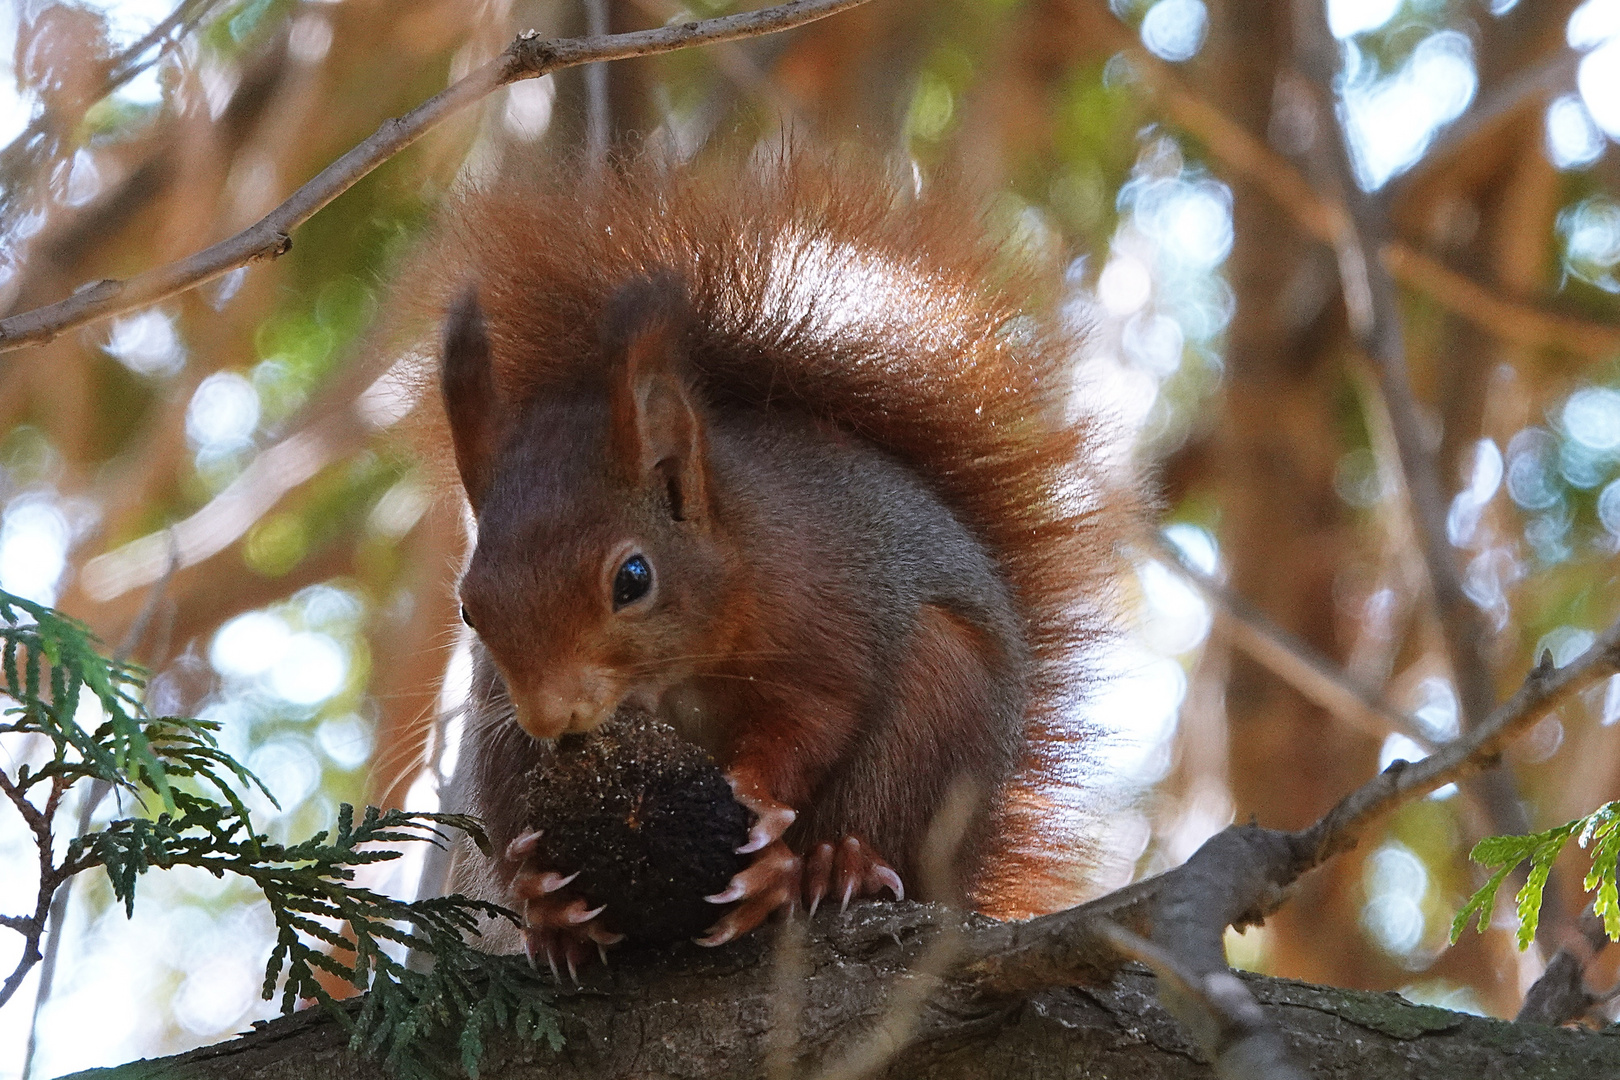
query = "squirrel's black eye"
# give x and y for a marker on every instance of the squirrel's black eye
(632, 582)
(466, 618)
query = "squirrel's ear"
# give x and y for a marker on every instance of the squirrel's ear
(468, 383)
(657, 429)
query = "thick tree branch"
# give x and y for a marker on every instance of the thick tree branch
(1243, 873)
(527, 57)
(701, 1015)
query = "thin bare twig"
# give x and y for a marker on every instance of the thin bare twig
(528, 57)
(1373, 309)
(51, 876)
(1544, 689)
(598, 118)
(1294, 661)
(1375, 322)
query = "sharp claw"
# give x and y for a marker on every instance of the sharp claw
(550, 881)
(717, 937)
(815, 902)
(528, 950)
(849, 891)
(760, 835)
(605, 937)
(524, 844)
(891, 879)
(572, 972)
(575, 917)
(551, 962)
(601, 950)
(734, 891)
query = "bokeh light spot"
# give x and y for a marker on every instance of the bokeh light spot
(1592, 416)
(1175, 29)
(1347, 18)
(311, 669)
(223, 414)
(250, 644)
(146, 343)
(1573, 138)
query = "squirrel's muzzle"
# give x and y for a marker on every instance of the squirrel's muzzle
(573, 701)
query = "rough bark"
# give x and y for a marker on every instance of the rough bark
(692, 1013)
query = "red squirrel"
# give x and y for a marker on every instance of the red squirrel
(783, 452)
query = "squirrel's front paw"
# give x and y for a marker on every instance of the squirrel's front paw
(769, 882)
(771, 878)
(848, 869)
(557, 923)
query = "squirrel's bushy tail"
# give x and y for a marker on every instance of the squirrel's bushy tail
(818, 284)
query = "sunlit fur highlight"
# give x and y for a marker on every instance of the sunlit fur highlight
(818, 284)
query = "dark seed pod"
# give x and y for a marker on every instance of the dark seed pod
(646, 818)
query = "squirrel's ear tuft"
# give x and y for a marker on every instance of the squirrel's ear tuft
(467, 380)
(657, 424)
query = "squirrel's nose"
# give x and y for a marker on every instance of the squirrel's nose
(578, 702)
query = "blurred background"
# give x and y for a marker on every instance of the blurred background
(229, 459)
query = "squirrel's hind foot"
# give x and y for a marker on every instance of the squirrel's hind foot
(848, 870)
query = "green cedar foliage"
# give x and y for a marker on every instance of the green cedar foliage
(1600, 830)
(419, 1022)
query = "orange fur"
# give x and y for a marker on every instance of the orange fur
(817, 285)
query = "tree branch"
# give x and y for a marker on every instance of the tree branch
(1560, 994)
(694, 1015)
(1243, 873)
(528, 57)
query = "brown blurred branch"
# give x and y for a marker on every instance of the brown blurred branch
(1502, 104)
(1373, 307)
(528, 57)
(1247, 156)
(1521, 324)
(1375, 322)
(1294, 661)
(24, 154)
(229, 515)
